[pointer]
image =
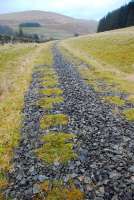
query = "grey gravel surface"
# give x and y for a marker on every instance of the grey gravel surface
(104, 168)
(105, 145)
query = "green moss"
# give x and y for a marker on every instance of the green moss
(3, 181)
(49, 72)
(129, 114)
(49, 77)
(57, 147)
(55, 190)
(131, 99)
(51, 91)
(53, 120)
(63, 194)
(48, 102)
(50, 83)
(114, 100)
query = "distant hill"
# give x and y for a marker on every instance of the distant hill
(50, 23)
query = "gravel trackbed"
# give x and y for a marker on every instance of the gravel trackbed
(104, 144)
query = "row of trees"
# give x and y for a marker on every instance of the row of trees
(6, 30)
(4, 38)
(30, 24)
(120, 18)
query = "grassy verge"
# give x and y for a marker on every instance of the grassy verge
(109, 58)
(16, 66)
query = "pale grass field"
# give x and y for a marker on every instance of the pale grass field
(110, 60)
(16, 68)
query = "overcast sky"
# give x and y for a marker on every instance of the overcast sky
(87, 9)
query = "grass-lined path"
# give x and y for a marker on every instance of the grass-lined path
(44, 156)
(71, 145)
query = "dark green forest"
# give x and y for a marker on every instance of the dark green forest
(6, 30)
(120, 18)
(30, 24)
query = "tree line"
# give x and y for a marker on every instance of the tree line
(30, 24)
(20, 36)
(120, 18)
(8, 35)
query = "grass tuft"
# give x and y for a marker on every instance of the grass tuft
(50, 83)
(51, 92)
(57, 147)
(131, 99)
(114, 100)
(48, 102)
(129, 114)
(3, 181)
(52, 120)
(57, 191)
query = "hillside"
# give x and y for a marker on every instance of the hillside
(52, 23)
(110, 63)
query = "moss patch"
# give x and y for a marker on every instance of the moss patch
(50, 83)
(131, 99)
(48, 102)
(114, 100)
(129, 114)
(3, 181)
(53, 120)
(51, 91)
(57, 147)
(56, 191)
(3, 184)
(49, 77)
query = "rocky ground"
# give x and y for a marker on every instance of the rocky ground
(104, 167)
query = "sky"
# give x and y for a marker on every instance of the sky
(86, 9)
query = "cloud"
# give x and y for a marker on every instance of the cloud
(76, 8)
(85, 8)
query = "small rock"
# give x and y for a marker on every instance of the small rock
(56, 163)
(132, 178)
(89, 188)
(81, 178)
(131, 169)
(36, 189)
(87, 180)
(42, 178)
(74, 175)
(102, 190)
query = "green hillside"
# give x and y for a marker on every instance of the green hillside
(110, 59)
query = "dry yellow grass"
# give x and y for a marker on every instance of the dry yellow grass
(52, 120)
(55, 190)
(110, 59)
(15, 74)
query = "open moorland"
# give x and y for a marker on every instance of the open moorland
(67, 118)
(53, 25)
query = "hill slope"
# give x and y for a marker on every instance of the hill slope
(110, 63)
(51, 22)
